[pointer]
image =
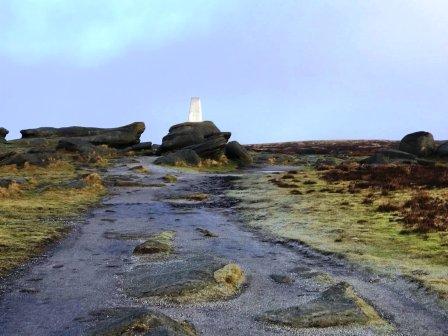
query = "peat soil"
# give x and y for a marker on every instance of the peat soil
(87, 271)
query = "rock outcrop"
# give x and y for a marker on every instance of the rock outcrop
(76, 145)
(421, 144)
(187, 134)
(235, 152)
(119, 137)
(442, 150)
(3, 133)
(202, 138)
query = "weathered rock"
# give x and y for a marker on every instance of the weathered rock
(142, 146)
(385, 156)
(3, 132)
(180, 157)
(201, 277)
(202, 137)
(337, 306)
(37, 158)
(187, 134)
(418, 143)
(115, 137)
(160, 243)
(442, 150)
(123, 321)
(6, 182)
(235, 152)
(212, 147)
(6, 154)
(76, 145)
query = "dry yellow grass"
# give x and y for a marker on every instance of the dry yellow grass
(34, 214)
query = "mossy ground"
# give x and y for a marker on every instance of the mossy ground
(303, 206)
(35, 213)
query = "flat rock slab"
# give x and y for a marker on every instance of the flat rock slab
(336, 306)
(178, 278)
(137, 321)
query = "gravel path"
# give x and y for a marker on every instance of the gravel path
(86, 271)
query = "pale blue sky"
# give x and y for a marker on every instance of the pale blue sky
(267, 70)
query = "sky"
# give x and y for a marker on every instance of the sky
(266, 70)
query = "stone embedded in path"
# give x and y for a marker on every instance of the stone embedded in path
(195, 279)
(336, 306)
(281, 278)
(124, 321)
(157, 244)
(206, 233)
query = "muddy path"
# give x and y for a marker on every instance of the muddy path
(87, 271)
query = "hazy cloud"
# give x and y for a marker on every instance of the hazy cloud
(86, 31)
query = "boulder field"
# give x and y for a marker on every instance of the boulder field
(190, 142)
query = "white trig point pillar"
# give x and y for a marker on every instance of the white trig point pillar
(195, 114)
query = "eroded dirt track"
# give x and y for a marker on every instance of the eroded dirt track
(87, 271)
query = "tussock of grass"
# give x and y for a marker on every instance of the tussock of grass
(13, 190)
(140, 169)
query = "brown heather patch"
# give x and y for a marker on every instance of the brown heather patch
(346, 147)
(388, 177)
(388, 207)
(425, 213)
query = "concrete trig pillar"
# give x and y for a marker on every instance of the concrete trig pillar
(195, 114)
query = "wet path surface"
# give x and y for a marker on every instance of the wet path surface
(87, 271)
